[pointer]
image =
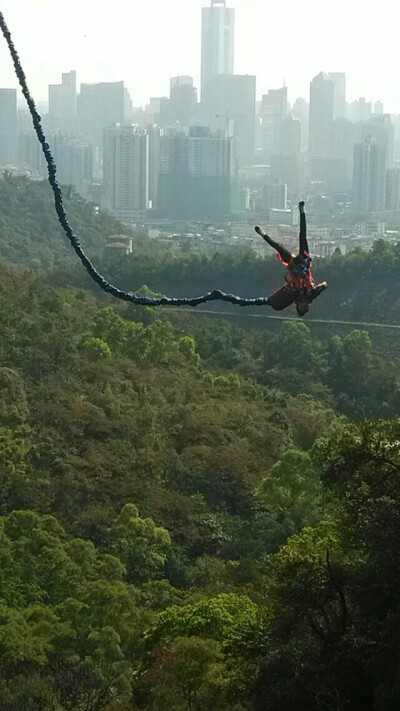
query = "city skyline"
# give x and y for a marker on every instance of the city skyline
(104, 45)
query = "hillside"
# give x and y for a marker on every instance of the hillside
(30, 234)
(193, 516)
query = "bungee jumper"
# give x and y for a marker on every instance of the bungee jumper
(300, 287)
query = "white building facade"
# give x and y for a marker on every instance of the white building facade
(369, 180)
(126, 172)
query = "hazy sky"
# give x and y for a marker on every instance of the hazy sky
(145, 42)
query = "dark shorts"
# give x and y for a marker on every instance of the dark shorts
(281, 298)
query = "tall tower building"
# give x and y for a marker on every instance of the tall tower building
(183, 99)
(273, 113)
(392, 198)
(74, 159)
(291, 136)
(369, 179)
(289, 169)
(360, 110)
(287, 165)
(197, 175)
(128, 106)
(62, 101)
(343, 140)
(30, 154)
(126, 171)
(322, 95)
(339, 96)
(99, 106)
(217, 43)
(155, 134)
(381, 129)
(301, 110)
(8, 127)
(233, 101)
(274, 196)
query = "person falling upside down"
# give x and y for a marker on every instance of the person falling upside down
(300, 287)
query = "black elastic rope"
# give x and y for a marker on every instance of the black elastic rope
(215, 295)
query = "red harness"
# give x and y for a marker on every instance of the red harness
(299, 278)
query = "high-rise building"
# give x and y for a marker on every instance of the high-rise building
(217, 43)
(8, 127)
(381, 129)
(343, 140)
(30, 154)
(378, 179)
(301, 110)
(378, 107)
(128, 107)
(24, 122)
(339, 96)
(179, 108)
(275, 196)
(155, 105)
(289, 169)
(62, 102)
(369, 182)
(392, 198)
(197, 175)
(155, 134)
(233, 100)
(73, 157)
(290, 135)
(183, 97)
(99, 106)
(360, 110)
(160, 111)
(126, 172)
(322, 94)
(396, 150)
(183, 100)
(273, 113)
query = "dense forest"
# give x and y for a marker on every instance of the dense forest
(363, 286)
(194, 516)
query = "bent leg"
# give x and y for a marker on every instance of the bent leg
(282, 251)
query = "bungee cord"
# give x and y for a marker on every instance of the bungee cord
(100, 280)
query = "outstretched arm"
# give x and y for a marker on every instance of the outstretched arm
(282, 251)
